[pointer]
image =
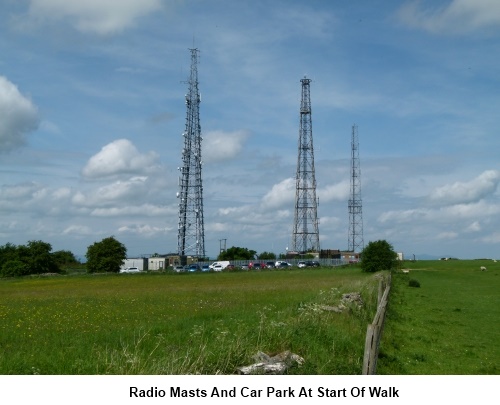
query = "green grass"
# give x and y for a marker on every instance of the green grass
(448, 325)
(182, 323)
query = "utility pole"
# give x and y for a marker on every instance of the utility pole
(305, 236)
(355, 243)
(191, 233)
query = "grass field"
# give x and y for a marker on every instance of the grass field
(182, 323)
(212, 323)
(448, 325)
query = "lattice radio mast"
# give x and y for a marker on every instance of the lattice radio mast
(355, 243)
(305, 236)
(191, 237)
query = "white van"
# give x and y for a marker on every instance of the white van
(220, 265)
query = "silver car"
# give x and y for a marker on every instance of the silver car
(130, 270)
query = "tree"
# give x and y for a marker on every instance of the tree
(378, 255)
(38, 258)
(64, 257)
(237, 253)
(33, 258)
(266, 256)
(106, 256)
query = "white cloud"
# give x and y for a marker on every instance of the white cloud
(149, 210)
(19, 116)
(119, 157)
(143, 229)
(219, 145)
(448, 214)
(467, 192)
(18, 191)
(78, 230)
(457, 16)
(335, 192)
(281, 194)
(493, 238)
(473, 227)
(447, 235)
(117, 193)
(93, 16)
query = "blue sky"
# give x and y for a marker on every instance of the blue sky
(92, 111)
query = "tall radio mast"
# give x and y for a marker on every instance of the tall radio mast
(355, 243)
(191, 236)
(305, 236)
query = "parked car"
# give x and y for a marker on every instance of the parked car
(230, 267)
(194, 267)
(256, 265)
(283, 265)
(205, 267)
(217, 267)
(244, 267)
(178, 269)
(301, 265)
(130, 270)
(312, 263)
(270, 265)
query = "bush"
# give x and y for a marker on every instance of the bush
(14, 268)
(414, 283)
(378, 255)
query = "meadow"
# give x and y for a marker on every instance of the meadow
(203, 323)
(450, 325)
(212, 323)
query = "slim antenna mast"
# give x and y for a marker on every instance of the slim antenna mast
(355, 243)
(191, 233)
(305, 235)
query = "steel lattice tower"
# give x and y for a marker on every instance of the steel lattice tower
(356, 243)
(305, 237)
(191, 237)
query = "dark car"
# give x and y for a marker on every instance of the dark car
(256, 266)
(194, 267)
(270, 265)
(312, 263)
(284, 265)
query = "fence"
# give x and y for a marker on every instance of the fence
(374, 330)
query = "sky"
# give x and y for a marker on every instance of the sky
(92, 114)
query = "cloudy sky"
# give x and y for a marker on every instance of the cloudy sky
(92, 111)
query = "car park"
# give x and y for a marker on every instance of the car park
(130, 270)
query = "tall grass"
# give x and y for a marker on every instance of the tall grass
(182, 323)
(448, 325)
